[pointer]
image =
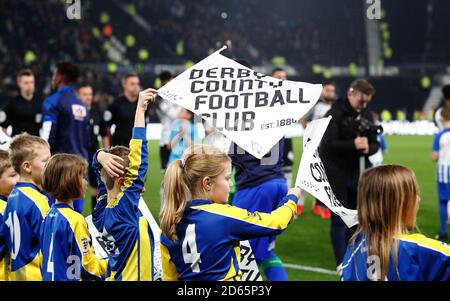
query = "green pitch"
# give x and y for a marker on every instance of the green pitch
(306, 243)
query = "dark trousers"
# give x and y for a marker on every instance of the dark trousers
(340, 234)
(164, 154)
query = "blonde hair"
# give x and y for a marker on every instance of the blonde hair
(386, 196)
(5, 162)
(181, 181)
(63, 175)
(23, 148)
(122, 152)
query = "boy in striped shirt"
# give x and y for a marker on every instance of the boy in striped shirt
(441, 154)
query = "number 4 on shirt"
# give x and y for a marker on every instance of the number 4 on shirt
(192, 257)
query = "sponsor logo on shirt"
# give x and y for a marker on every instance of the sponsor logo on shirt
(79, 112)
(85, 245)
(38, 118)
(107, 116)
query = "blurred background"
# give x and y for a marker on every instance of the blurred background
(404, 50)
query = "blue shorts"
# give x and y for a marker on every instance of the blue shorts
(264, 197)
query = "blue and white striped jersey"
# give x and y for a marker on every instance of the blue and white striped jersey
(441, 145)
(67, 253)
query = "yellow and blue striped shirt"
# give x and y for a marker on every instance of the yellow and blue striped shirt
(208, 247)
(125, 231)
(419, 259)
(26, 208)
(67, 253)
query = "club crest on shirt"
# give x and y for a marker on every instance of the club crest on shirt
(38, 118)
(254, 214)
(79, 112)
(85, 245)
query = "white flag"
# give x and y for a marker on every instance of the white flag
(311, 175)
(252, 109)
(102, 251)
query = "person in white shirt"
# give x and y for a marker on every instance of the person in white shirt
(437, 114)
(440, 123)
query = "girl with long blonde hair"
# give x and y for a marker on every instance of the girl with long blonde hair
(200, 232)
(382, 248)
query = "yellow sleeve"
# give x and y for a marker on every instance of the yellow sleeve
(169, 270)
(92, 266)
(242, 225)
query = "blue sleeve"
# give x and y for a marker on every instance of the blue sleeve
(96, 166)
(50, 115)
(36, 221)
(241, 224)
(435, 263)
(436, 142)
(102, 196)
(383, 144)
(98, 212)
(87, 133)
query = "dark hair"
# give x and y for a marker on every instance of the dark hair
(446, 92)
(69, 71)
(328, 83)
(244, 63)
(277, 69)
(363, 86)
(84, 85)
(25, 72)
(63, 175)
(127, 76)
(165, 76)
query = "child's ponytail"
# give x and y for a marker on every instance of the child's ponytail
(175, 198)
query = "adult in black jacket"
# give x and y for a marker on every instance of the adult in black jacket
(343, 144)
(121, 114)
(24, 112)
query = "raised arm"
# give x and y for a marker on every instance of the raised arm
(137, 169)
(146, 96)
